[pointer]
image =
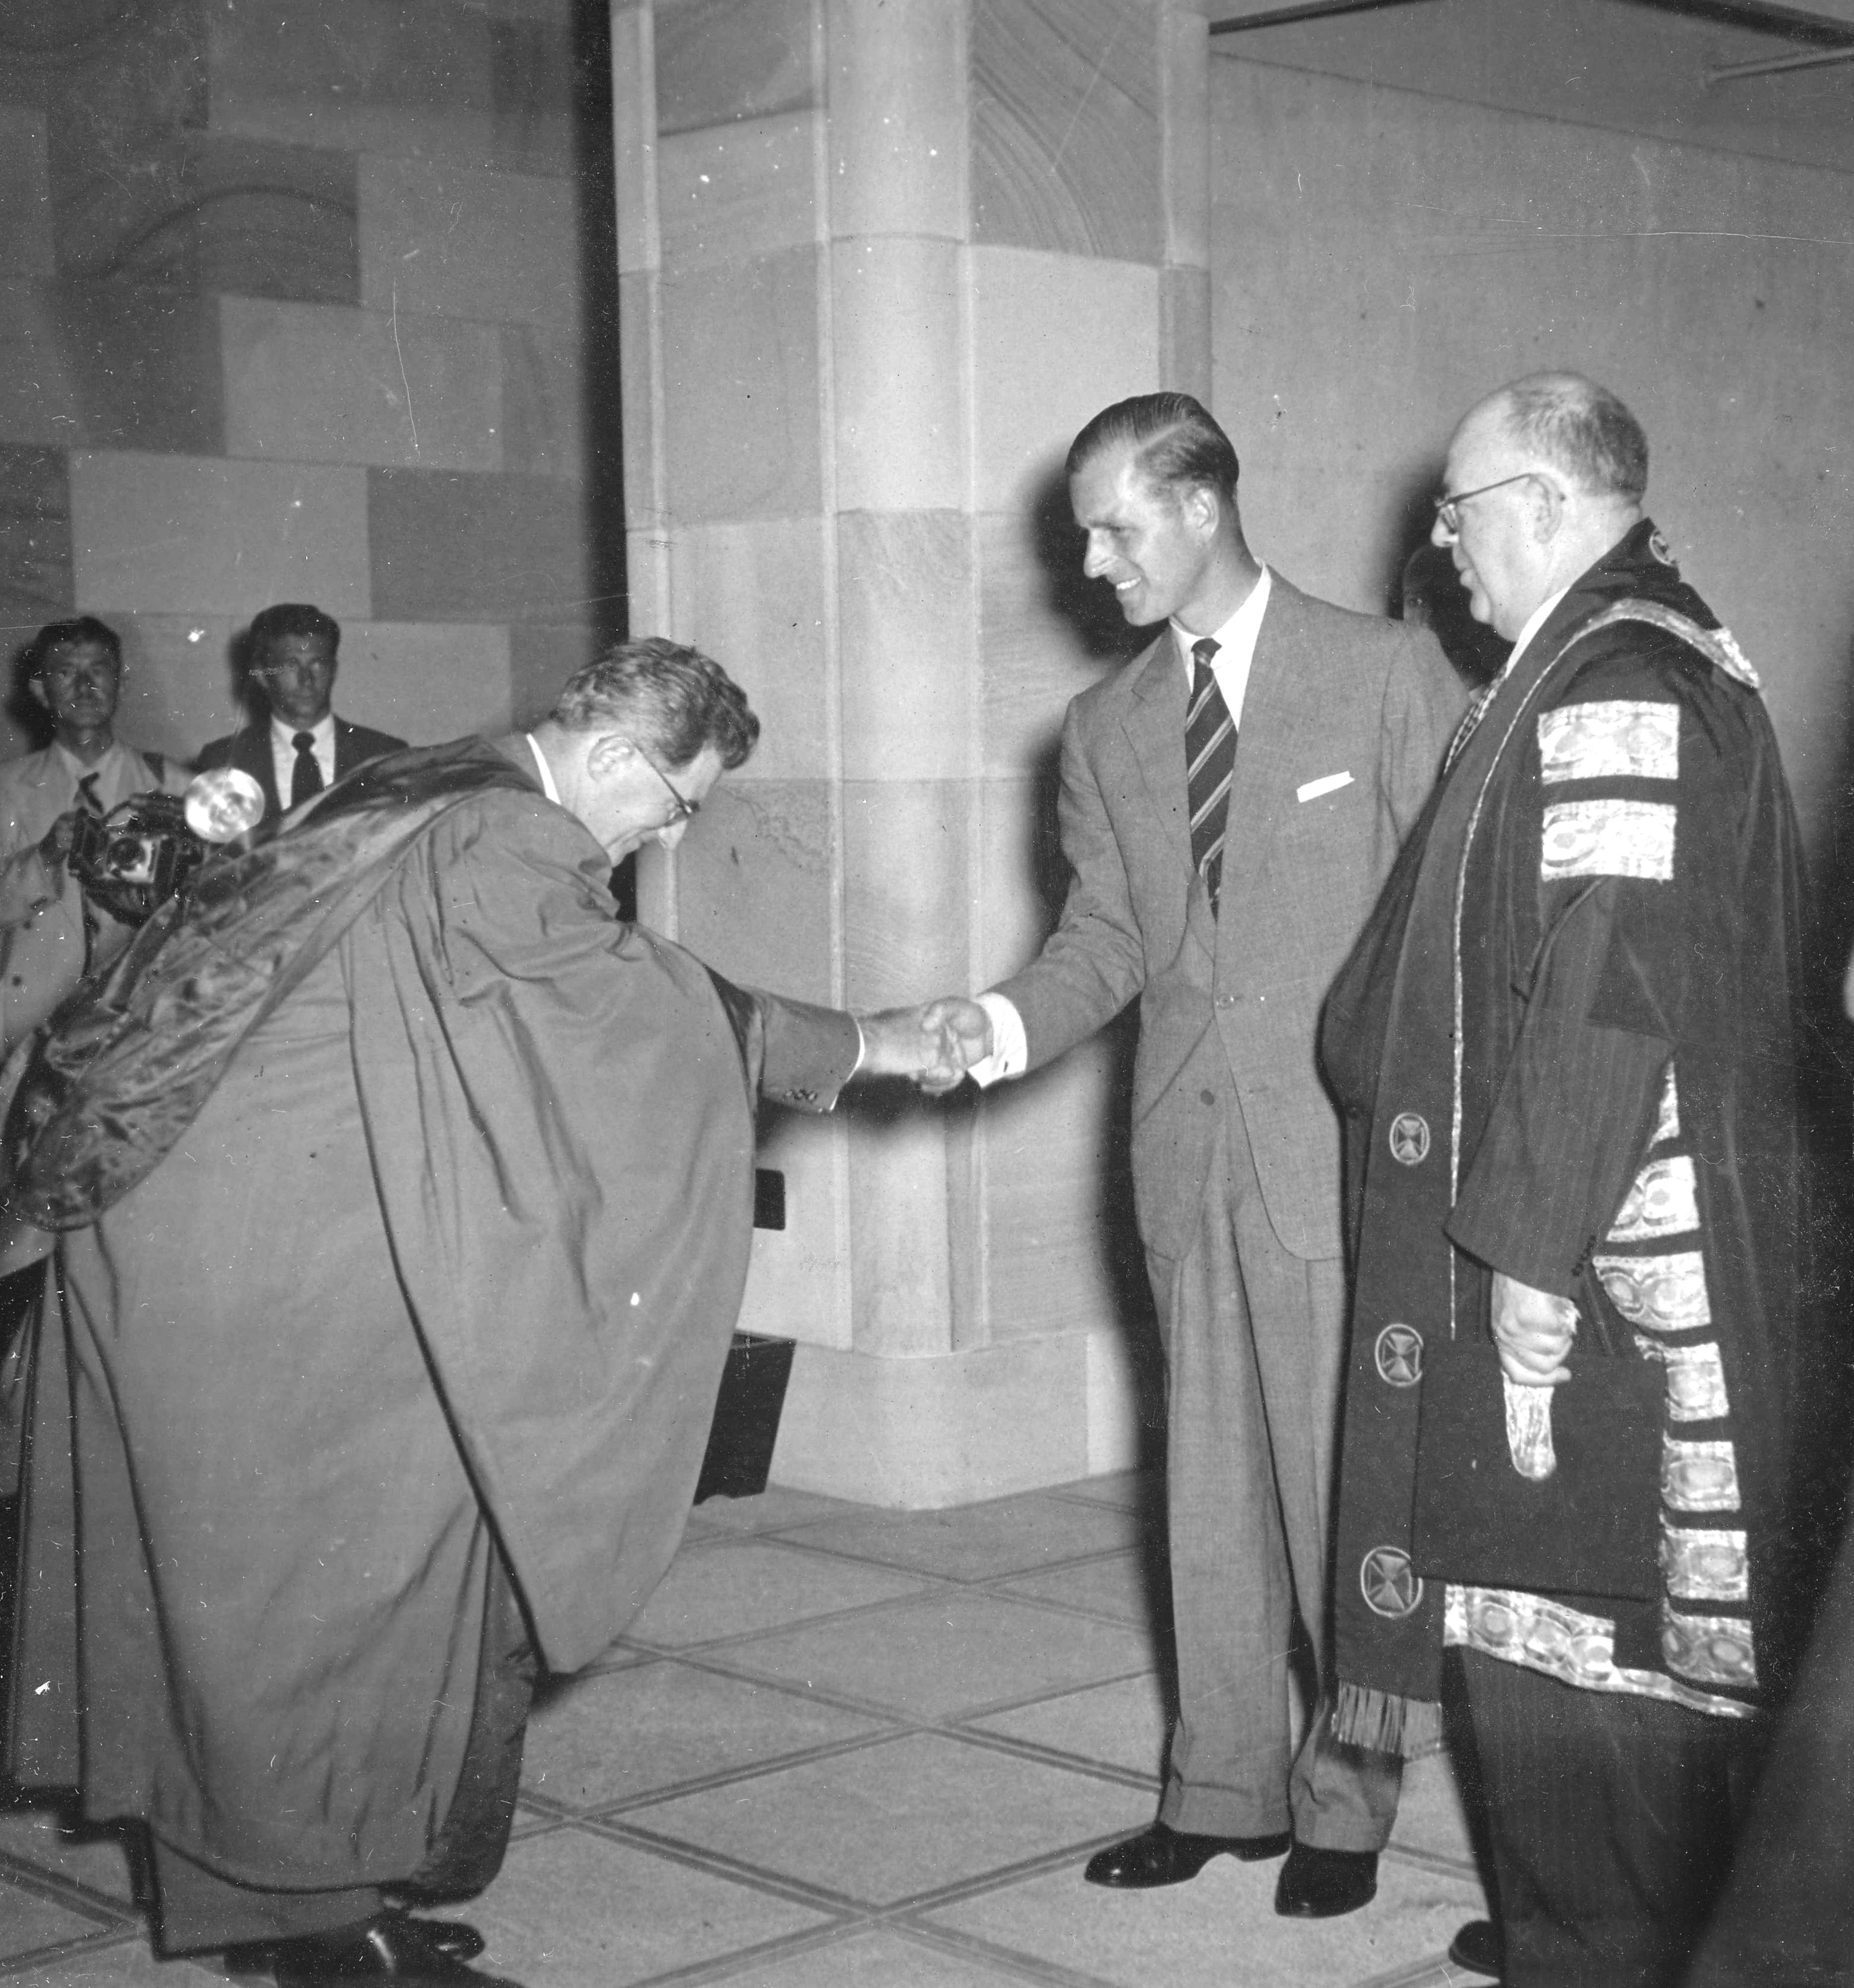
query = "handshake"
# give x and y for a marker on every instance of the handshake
(934, 1045)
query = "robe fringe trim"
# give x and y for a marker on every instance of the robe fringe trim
(1382, 1723)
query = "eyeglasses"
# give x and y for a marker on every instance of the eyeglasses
(1448, 509)
(686, 809)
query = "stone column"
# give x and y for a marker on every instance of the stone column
(878, 264)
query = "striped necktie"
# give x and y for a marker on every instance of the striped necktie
(1210, 758)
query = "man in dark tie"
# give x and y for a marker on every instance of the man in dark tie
(304, 747)
(1231, 803)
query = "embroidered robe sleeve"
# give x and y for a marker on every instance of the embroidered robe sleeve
(1631, 786)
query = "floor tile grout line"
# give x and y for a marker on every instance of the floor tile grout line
(870, 1707)
(748, 1770)
(849, 1509)
(55, 1887)
(1029, 1967)
(872, 1556)
(554, 1810)
(720, 1863)
(1437, 1861)
(1003, 1960)
(841, 1905)
(890, 1726)
(932, 1583)
(1435, 1969)
(977, 1583)
(721, 1966)
(805, 1694)
(1044, 1755)
(1003, 1708)
(64, 1950)
(1003, 1877)
(887, 1604)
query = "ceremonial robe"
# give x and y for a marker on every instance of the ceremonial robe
(442, 1268)
(1567, 1047)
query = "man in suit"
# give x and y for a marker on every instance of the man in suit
(305, 747)
(50, 935)
(1223, 883)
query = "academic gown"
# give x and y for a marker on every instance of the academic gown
(1567, 1046)
(450, 1254)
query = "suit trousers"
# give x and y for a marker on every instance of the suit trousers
(1611, 1819)
(1254, 1340)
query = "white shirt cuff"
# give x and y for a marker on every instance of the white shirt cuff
(1010, 1052)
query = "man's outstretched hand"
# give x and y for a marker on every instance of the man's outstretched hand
(933, 1045)
(966, 1027)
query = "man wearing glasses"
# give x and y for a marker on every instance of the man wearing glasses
(1569, 1408)
(401, 1243)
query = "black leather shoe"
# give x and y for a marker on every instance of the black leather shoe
(1163, 1855)
(1479, 1949)
(452, 1938)
(392, 1947)
(1322, 1884)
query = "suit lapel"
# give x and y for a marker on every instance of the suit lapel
(1153, 723)
(253, 754)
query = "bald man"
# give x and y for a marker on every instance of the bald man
(1567, 1047)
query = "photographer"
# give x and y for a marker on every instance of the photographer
(50, 936)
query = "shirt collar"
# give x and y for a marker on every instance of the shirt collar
(1236, 639)
(322, 732)
(1536, 621)
(545, 771)
(80, 771)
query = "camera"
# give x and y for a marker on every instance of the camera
(136, 857)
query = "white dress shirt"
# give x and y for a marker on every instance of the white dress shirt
(283, 752)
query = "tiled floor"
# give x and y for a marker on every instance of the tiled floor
(850, 1749)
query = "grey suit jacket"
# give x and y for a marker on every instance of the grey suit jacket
(1329, 692)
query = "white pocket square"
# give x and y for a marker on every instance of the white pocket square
(1330, 785)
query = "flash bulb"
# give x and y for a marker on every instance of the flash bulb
(223, 804)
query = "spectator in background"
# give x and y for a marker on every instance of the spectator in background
(300, 746)
(50, 935)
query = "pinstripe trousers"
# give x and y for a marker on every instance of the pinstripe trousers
(1611, 1819)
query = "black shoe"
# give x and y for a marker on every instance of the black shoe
(392, 1947)
(1479, 1949)
(1163, 1855)
(1322, 1884)
(452, 1938)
